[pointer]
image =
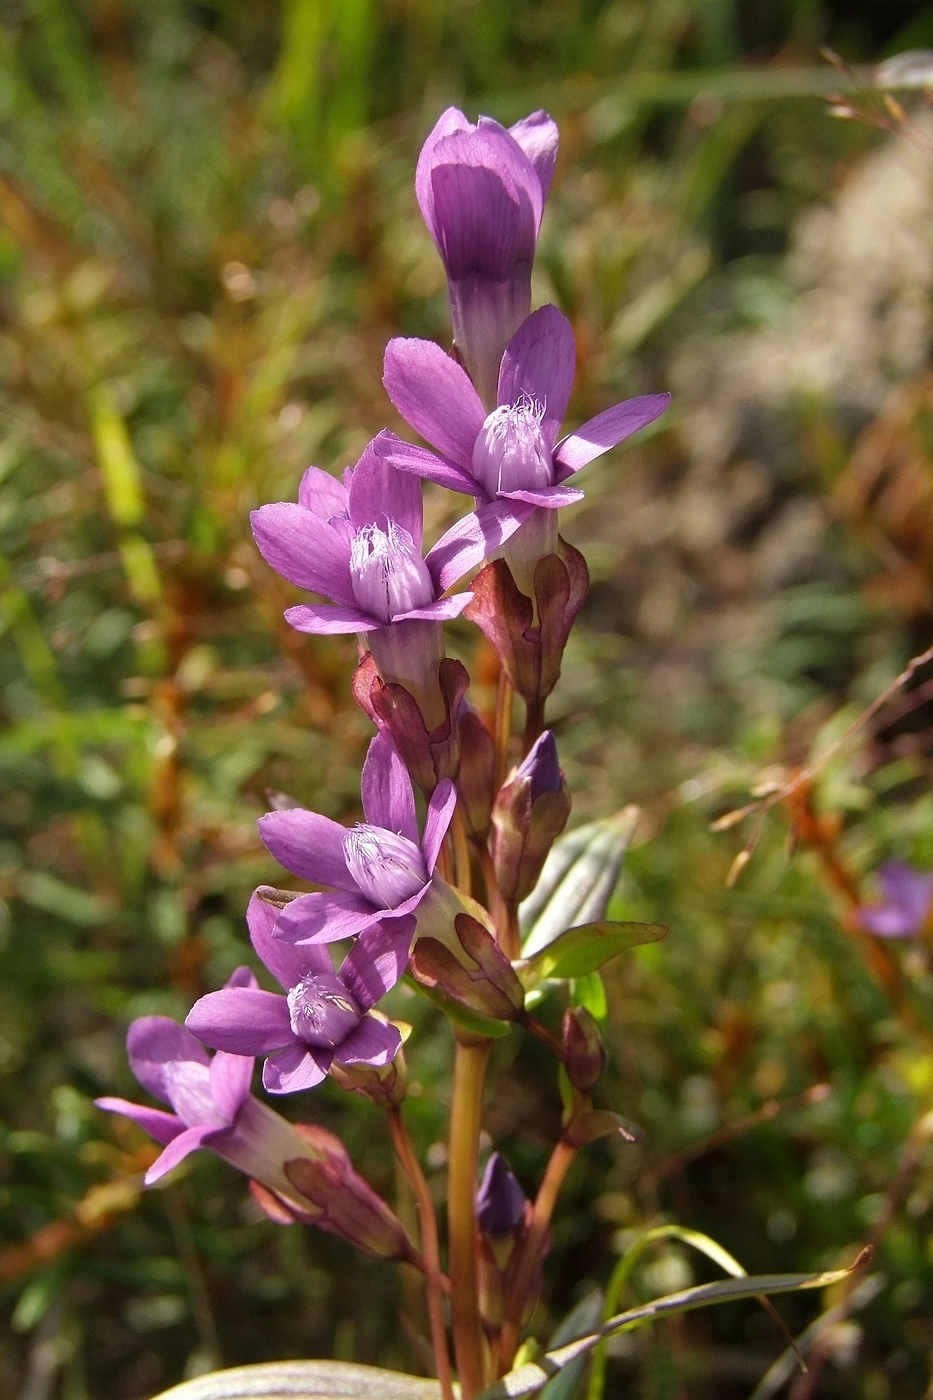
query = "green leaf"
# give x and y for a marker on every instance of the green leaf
(530, 1378)
(585, 949)
(578, 879)
(590, 992)
(579, 1320)
(304, 1380)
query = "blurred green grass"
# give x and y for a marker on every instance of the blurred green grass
(207, 234)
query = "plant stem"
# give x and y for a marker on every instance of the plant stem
(430, 1246)
(532, 1251)
(471, 1059)
(503, 734)
(534, 725)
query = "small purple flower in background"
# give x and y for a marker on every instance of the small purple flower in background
(324, 1015)
(481, 190)
(210, 1099)
(360, 544)
(380, 869)
(907, 896)
(513, 453)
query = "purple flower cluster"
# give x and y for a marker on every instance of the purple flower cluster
(491, 412)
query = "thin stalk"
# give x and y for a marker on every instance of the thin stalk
(534, 725)
(463, 866)
(510, 936)
(503, 730)
(532, 1250)
(430, 1247)
(471, 1059)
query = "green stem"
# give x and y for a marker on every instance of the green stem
(471, 1059)
(532, 1250)
(430, 1246)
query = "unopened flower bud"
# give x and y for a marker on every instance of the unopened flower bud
(500, 1202)
(530, 812)
(584, 1054)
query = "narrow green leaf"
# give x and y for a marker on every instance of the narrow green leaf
(578, 879)
(579, 1320)
(585, 949)
(530, 1378)
(119, 467)
(304, 1380)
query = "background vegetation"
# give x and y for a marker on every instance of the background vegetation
(207, 235)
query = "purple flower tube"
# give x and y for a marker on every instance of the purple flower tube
(481, 190)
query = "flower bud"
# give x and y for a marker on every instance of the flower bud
(530, 812)
(584, 1054)
(500, 1202)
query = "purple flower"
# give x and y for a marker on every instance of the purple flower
(481, 190)
(324, 1015)
(210, 1100)
(213, 1108)
(380, 869)
(907, 897)
(512, 453)
(359, 543)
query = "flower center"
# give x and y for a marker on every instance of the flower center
(388, 573)
(510, 453)
(322, 1011)
(188, 1090)
(387, 868)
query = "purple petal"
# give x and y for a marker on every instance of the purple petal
(242, 976)
(286, 963)
(387, 793)
(152, 1042)
(887, 922)
(607, 429)
(473, 539)
(304, 549)
(178, 1149)
(322, 493)
(231, 1076)
(377, 960)
(242, 1020)
(439, 815)
(307, 844)
(441, 611)
(323, 620)
(487, 202)
(380, 492)
(537, 135)
(323, 918)
(374, 1042)
(407, 458)
(550, 497)
(540, 361)
(434, 395)
(448, 122)
(911, 889)
(299, 1067)
(162, 1126)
